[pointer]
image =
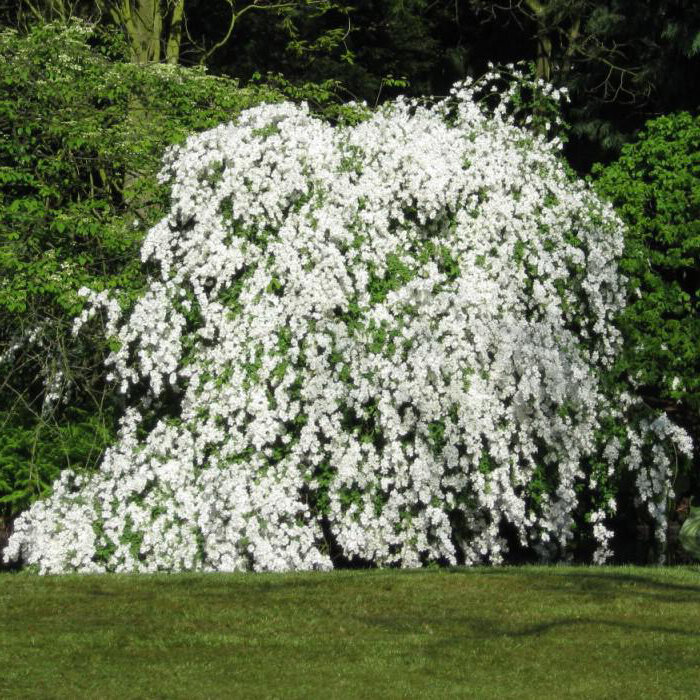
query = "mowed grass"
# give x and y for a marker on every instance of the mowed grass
(531, 632)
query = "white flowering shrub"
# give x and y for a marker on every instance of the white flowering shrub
(383, 341)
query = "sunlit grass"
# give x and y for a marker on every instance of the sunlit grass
(505, 633)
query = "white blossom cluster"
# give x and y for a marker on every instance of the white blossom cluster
(384, 339)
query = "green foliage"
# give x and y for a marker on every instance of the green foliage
(324, 97)
(33, 453)
(655, 186)
(83, 133)
(690, 533)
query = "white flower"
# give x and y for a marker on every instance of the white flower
(380, 347)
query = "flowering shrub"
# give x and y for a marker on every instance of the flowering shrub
(383, 340)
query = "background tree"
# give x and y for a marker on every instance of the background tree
(655, 187)
(153, 27)
(78, 190)
(623, 61)
(157, 30)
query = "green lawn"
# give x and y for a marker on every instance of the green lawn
(535, 632)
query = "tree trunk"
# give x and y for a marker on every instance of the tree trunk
(172, 49)
(544, 55)
(543, 62)
(143, 22)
